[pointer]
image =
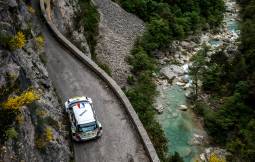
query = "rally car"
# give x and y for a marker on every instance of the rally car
(84, 123)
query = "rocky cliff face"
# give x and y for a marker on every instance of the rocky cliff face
(63, 14)
(22, 68)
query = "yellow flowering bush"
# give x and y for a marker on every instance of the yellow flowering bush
(214, 158)
(42, 140)
(48, 134)
(31, 9)
(18, 41)
(25, 98)
(40, 41)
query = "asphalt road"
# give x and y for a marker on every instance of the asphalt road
(120, 141)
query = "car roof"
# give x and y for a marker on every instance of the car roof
(83, 112)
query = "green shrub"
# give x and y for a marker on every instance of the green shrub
(4, 39)
(140, 61)
(130, 80)
(40, 143)
(40, 41)
(89, 19)
(105, 67)
(157, 35)
(11, 133)
(43, 58)
(52, 122)
(8, 118)
(43, 138)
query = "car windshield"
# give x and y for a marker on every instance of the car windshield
(87, 127)
(82, 103)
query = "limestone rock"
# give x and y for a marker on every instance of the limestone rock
(169, 74)
(63, 15)
(172, 71)
(197, 140)
(183, 108)
(12, 3)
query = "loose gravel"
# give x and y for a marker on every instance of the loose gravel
(118, 31)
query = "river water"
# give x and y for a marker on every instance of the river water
(179, 126)
(184, 132)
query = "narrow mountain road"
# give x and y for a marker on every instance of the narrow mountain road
(71, 78)
(120, 141)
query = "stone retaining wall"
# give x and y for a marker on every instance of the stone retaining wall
(116, 89)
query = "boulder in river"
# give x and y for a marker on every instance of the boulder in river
(175, 68)
(183, 108)
(172, 71)
(180, 83)
(188, 93)
(197, 140)
(187, 45)
(159, 108)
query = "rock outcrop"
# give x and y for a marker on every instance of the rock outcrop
(21, 69)
(63, 14)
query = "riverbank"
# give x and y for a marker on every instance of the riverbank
(182, 128)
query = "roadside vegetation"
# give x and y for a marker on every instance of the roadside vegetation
(165, 21)
(89, 18)
(18, 41)
(230, 120)
(44, 124)
(10, 111)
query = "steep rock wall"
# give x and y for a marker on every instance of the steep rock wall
(21, 69)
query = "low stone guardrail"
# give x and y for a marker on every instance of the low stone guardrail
(149, 148)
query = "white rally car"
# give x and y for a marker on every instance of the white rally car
(84, 123)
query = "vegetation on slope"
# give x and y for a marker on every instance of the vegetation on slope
(89, 18)
(10, 112)
(166, 20)
(231, 83)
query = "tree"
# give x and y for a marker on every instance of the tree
(158, 35)
(175, 158)
(198, 67)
